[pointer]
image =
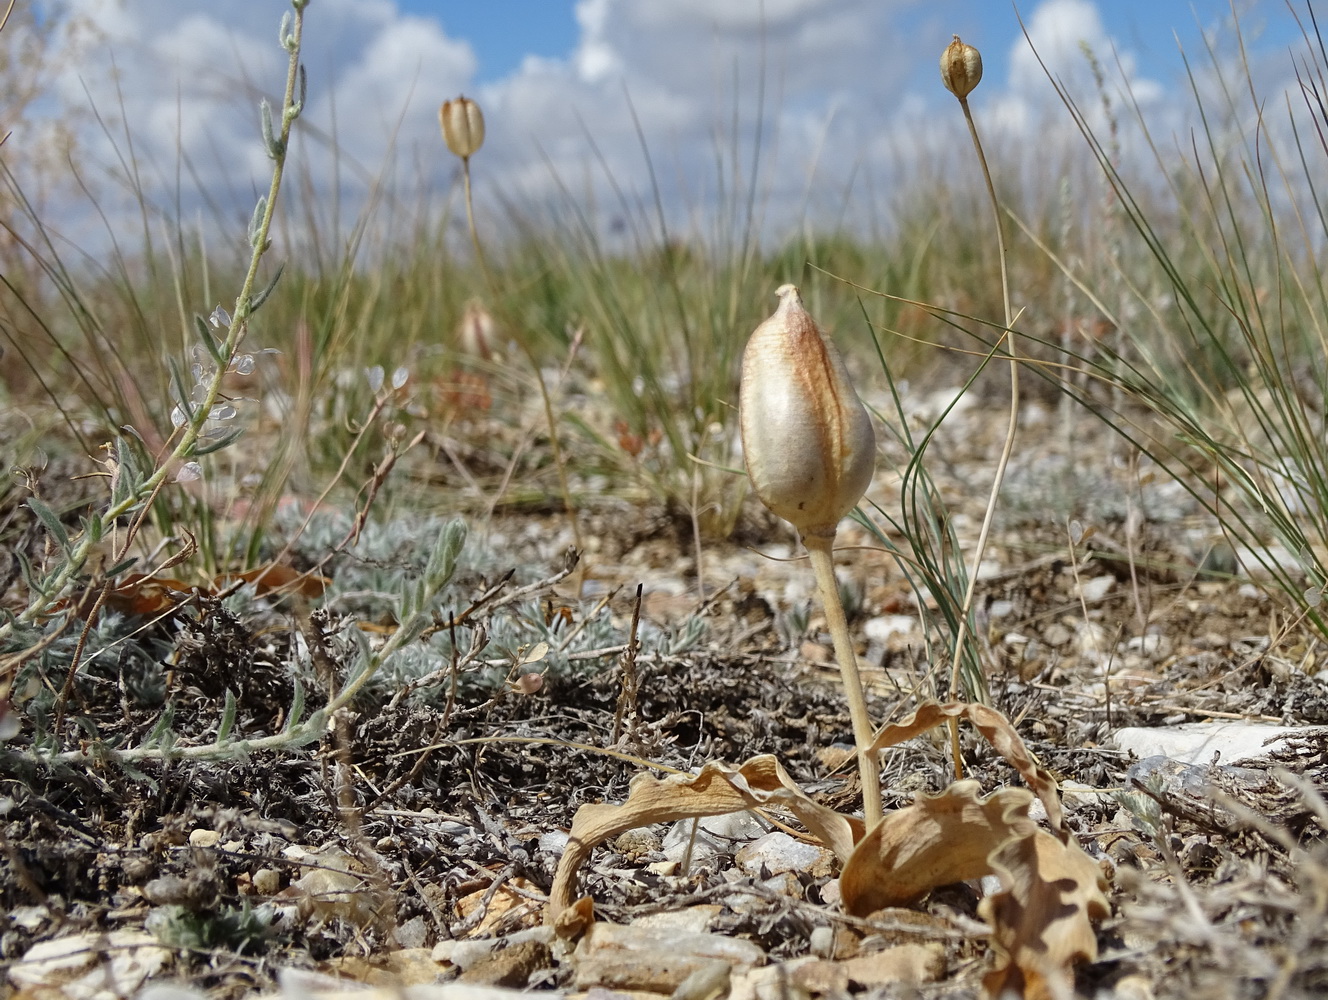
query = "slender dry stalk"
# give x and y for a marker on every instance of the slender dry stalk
(463, 130)
(961, 70)
(820, 550)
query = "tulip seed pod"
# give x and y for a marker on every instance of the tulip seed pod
(463, 126)
(961, 68)
(807, 439)
(477, 333)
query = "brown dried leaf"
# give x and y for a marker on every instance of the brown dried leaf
(574, 920)
(1042, 918)
(998, 731)
(937, 841)
(499, 906)
(137, 594)
(718, 789)
(280, 577)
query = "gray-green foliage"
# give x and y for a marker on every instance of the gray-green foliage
(1221, 301)
(231, 928)
(124, 663)
(198, 407)
(383, 575)
(56, 587)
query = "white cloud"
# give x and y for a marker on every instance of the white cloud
(178, 86)
(851, 97)
(1058, 31)
(814, 78)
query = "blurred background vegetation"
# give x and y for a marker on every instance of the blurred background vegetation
(1180, 297)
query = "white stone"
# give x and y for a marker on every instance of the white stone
(1196, 742)
(412, 934)
(90, 966)
(822, 942)
(714, 835)
(777, 853)
(881, 628)
(555, 841)
(1096, 588)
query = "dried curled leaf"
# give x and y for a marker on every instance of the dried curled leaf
(1052, 892)
(718, 789)
(280, 577)
(998, 731)
(939, 840)
(1042, 919)
(137, 594)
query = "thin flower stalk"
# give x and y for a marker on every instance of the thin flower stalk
(961, 71)
(462, 124)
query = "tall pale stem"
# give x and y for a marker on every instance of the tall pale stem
(823, 565)
(549, 418)
(1013, 425)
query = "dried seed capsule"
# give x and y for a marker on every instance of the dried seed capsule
(463, 126)
(477, 333)
(807, 439)
(961, 68)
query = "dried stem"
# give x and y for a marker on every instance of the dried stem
(820, 550)
(961, 634)
(554, 442)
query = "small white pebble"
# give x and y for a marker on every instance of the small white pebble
(555, 841)
(821, 943)
(267, 881)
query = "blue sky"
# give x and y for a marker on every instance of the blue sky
(504, 32)
(840, 100)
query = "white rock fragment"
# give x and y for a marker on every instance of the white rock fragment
(1082, 794)
(267, 881)
(633, 957)
(777, 853)
(466, 953)
(1057, 634)
(30, 918)
(1091, 639)
(881, 628)
(1154, 645)
(1197, 742)
(772, 982)
(688, 920)
(169, 991)
(821, 942)
(412, 933)
(713, 835)
(90, 966)
(1096, 589)
(555, 841)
